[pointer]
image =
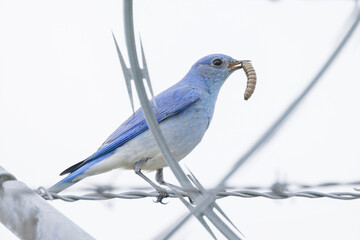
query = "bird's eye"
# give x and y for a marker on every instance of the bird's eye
(217, 62)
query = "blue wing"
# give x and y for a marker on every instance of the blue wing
(170, 102)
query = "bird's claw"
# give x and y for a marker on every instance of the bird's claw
(161, 196)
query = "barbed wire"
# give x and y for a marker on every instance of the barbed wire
(277, 191)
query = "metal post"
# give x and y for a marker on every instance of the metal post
(29, 216)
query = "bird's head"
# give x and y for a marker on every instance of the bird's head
(216, 68)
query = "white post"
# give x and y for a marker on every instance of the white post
(29, 216)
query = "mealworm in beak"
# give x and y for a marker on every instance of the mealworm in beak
(251, 79)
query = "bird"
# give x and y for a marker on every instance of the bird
(184, 112)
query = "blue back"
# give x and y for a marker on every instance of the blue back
(169, 103)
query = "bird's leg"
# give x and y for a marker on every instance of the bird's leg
(159, 177)
(162, 192)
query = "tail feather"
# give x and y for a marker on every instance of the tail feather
(70, 179)
(62, 185)
(78, 173)
(66, 182)
(73, 167)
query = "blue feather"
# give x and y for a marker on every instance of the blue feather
(184, 112)
(169, 104)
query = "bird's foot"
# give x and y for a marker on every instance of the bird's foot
(162, 194)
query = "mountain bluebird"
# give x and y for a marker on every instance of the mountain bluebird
(184, 112)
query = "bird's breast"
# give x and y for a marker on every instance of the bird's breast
(183, 132)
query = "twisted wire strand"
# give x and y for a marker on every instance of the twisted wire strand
(276, 192)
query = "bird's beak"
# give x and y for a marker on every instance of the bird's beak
(237, 64)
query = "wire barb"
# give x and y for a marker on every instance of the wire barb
(146, 75)
(127, 73)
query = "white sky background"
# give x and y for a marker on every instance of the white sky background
(62, 93)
